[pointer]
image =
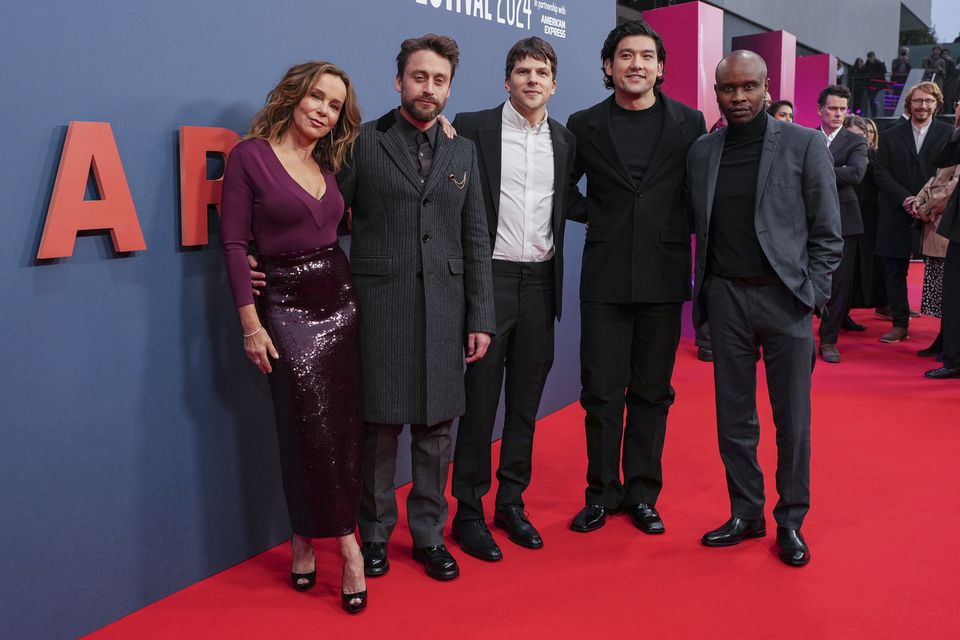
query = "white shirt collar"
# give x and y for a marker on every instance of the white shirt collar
(512, 117)
(920, 130)
(830, 136)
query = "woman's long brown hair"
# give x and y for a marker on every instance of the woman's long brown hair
(273, 120)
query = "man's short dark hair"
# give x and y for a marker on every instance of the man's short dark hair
(834, 90)
(625, 30)
(536, 48)
(443, 46)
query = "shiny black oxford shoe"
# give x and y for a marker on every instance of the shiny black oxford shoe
(375, 561)
(793, 548)
(476, 540)
(734, 531)
(590, 518)
(437, 561)
(646, 518)
(520, 530)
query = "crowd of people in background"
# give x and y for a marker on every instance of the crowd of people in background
(869, 80)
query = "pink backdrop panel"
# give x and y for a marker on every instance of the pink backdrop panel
(693, 37)
(779, 51)
(813, 74)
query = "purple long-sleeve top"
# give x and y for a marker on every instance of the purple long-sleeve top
(261, 200)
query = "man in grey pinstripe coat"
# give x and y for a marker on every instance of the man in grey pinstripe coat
(420, 261)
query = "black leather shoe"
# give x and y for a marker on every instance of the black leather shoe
(520, 531)
(704, 354)
(590, 518)
(375, 561)
(850, 325)
(942, 373)
(932, 351)
(646, 518)
(734, 531)
(793, 549)
(438, 562)
(475, 540)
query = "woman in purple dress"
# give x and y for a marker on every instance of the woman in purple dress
(280, 190)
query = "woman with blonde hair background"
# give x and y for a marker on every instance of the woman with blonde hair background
(279, 188)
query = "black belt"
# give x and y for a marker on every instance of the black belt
(757, 281)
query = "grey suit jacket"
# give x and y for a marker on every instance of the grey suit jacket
(797, 215)
(420, 259)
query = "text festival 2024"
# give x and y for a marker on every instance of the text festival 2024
(516, 13)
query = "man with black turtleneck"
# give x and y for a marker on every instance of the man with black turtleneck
(635, 276)
(768, 239)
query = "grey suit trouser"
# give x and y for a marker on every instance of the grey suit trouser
(747, 322)
(426, 504)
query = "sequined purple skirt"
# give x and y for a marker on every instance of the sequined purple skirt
(310, 311)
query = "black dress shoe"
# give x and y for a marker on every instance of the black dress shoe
(438, 562)
(705, 354)
(475, 540)
(933, 350)
(793, 549)
(850, 325)
(734, 531)
(590, 518)
(942, 373)
(375, 561)
(520, 531)
(646, 518)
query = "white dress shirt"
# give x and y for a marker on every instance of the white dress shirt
(524, 227)
(830, 136)
(919, 134)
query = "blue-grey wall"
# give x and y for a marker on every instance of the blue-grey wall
(137, 448)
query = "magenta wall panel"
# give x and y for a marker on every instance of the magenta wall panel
(813, 74)
(779, 51)
(693, 37)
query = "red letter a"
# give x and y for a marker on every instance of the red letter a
(90, 145)
(196, 191)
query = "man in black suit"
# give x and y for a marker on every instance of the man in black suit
(635, 274)
(950, 228)
(525, 160)
(849, 153)
(904, 164)
(768, 239)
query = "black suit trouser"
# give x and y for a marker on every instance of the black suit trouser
(950, 306)
(746, 322)
(896, 278)
(627, 353)
(840, 290)
(521, 351)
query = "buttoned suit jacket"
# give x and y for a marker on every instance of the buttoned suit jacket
(901, 172)
(850, 161)
(797, 215)
(420, 259)
(485, 129)
(637, 245)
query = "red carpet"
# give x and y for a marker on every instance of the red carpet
(883, 514)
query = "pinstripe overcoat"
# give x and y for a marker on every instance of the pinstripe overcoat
(420, 259)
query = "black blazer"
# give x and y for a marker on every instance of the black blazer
(902, 172)
(850, 165)
(638, 240)
(484, 128)
(950, 223)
